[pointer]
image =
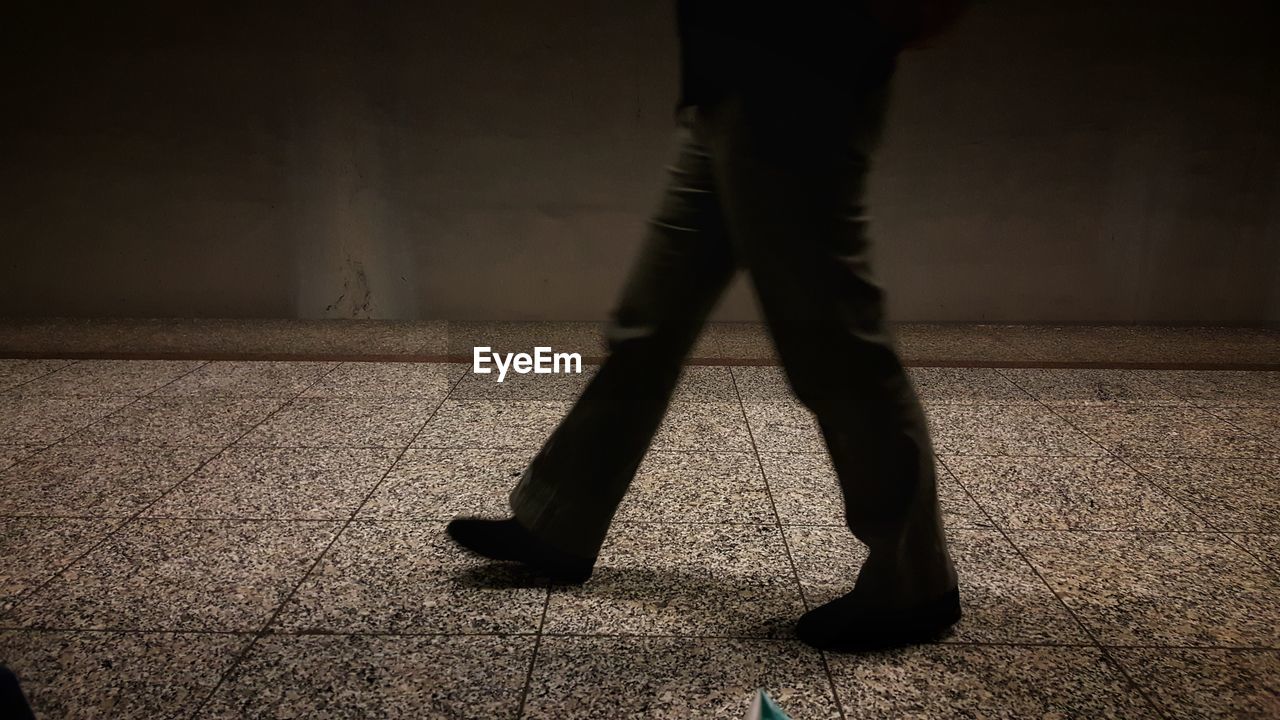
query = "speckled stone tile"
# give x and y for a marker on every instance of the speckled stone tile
(343, 422)
(33, 549)
(1221, 388)
(179, 575)
(1001, 597)
(674, 678)
(806, 492)
(1232, 495)
(1264, 547)
(933, 342)
(510, 424)
(702, 427)
(784, 427)
(352, 677)
(965, 386)
(736, 340)
(1261, 422)
(763, 384)
(111, 377)
(532, 386)
(252, 378)
(698, 487)
(1166, 432)
(689, 580)
(439, 484)
(1090, 387)
(30, 419)
(1006, 430)
(1187, 589)
(11, 455)
(278, 484)
(585, 338)
(977, 681)
(1224, 684)
(408, 577)
(388, 380)
(17, 372)
(119, 675)
(179, 422)
(705, 383)
(1046, 493)
(95, 480)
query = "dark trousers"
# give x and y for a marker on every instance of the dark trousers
(773, 184)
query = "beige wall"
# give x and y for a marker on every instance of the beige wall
(1050, 161)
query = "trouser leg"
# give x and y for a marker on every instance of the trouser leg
(791, 188)
(570, 491)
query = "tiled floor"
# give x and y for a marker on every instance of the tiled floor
(264, 539)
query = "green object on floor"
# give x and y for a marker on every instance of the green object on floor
(764, 708)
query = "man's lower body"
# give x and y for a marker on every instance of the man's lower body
(775, 189)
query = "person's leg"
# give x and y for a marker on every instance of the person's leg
(567, 496)
(791, 177)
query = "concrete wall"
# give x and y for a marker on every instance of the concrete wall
(1049, 161)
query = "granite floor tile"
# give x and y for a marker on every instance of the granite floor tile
(11, 455)
(932, 342)
(32, 550)
(119, 675)
(716, 487)
(1261, 422)
(370, 380)
(762, 383)
(783, 427)
(584, 338)
(162, 575)
(674, 678)
(563, 387)
(351, 677)
(689, 580)
(705, 383)
(344, 422)
(1167, 588)
(31, 419)
(737, 340)
(703, 427)
(178, 422)
(1145, 431)
(111, 377)
(1028, 430)
(1224, 684)
(953, 681)
(278, 484)
(806, 491)
(492, 424)
(408, 577)
(1231, 495)
(1263, 546)
(17, 372)
(1221, 388)
(95, 480)
(1048, 493)
(966, 386)
(251, 378)
(1090, 387)
(1002, 599)
(440, 484)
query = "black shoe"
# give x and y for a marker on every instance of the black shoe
(844, 624)
(506, 540)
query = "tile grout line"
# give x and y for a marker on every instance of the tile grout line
(265, 629)
(1102, 649)
(533, 659)
(786, 545)
(1187, 403)
(124, 520)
